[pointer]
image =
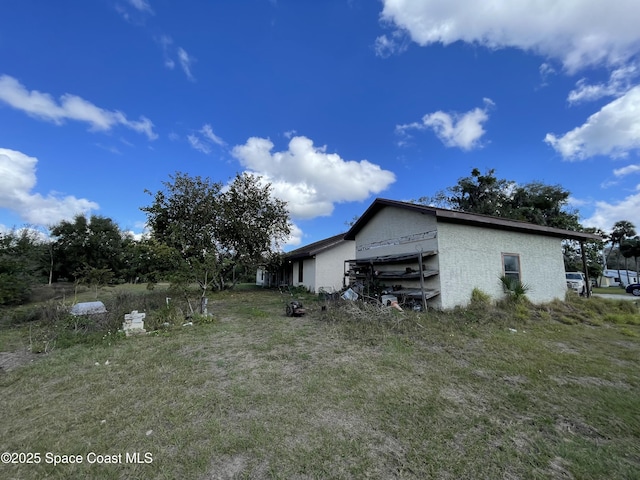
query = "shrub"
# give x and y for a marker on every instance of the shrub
(200, 319)
(480, 298)
(168, 315)
(622, 318)
(628, 332)
(514, 288)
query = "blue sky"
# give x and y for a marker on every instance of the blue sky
(334, 102)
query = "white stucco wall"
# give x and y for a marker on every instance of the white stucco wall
(472, 257)
(295, 266)
(260, 274)
(326, 269)
(329, 266)
(308, 273)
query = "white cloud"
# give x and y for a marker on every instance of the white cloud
(185, 62)
(144, 125)
(134, 11)
(171, 53)
(395, 44)
(546, 70)
(621, 172)
(203, 139)
(609, 184)
(606, 214)
(207, 132)
(310, 179)
(141, 5)
(453, 129)
(614, 131)
(198, 144)
(166, 43)
(71, 107)
(142, 231)
(295, 237)
(619, 83)
(578, 33)
(109, 148)
(577, 202)
(17, 180)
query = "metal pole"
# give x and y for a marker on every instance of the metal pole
(585, 269)
(424, 299)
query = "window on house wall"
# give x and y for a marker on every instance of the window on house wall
(300, 272)
(511, 265)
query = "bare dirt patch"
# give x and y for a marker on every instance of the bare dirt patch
(574, 426)
(12, 360)
(464, 396)
(515, 379)
(564, 348)
(227, 467)
(557, 469)
(589, 381)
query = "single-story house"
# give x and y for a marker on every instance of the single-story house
(317, 266)
(418, 250)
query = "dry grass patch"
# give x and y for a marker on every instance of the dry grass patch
(346, 392)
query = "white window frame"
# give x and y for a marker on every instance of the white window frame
(512, 273)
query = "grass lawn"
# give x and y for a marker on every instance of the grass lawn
(339, 393)
(610, 290)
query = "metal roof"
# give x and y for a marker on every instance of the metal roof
(473, 219)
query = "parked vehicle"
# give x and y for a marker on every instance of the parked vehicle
(618, 278)
(633, 289)
(576, 282)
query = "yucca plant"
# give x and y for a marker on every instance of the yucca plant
(514, 288)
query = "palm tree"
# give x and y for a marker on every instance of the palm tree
(636, 255)
(626, 249)
(631, 248)
(621, 229)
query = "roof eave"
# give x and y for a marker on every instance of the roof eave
(469, 219)
(513, 225)
(322, 245)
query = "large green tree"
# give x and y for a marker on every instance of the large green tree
(21, 264)
(184, 217)
(486, 194)
(253, 223)
(543, 204)
(148, 260)
(82, 243)
(215, 229)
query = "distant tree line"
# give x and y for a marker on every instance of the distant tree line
(201, 232)
(205, 233)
